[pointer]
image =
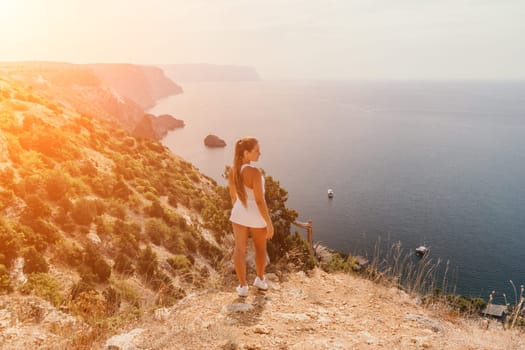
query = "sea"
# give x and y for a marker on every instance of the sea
(434, 163)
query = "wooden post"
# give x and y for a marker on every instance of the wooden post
(309, 233)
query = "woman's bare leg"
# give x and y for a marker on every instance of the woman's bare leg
(239, 253)
(259, 244)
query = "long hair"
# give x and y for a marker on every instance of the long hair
(244, 144)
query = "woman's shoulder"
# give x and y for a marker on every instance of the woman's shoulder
(252, 171)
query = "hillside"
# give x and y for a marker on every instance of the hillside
(116, 93)
(93, 220)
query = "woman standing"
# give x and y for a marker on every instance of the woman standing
(249, 212)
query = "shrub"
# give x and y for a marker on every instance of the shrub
(80, 287)
(120, 189)
(155, 210)
(127, 293)
(167, 293)
(89, 305)
(175, 244)
(9, 243)
(34, 261)
(123, 264)
(179, 262)
(189, 242)
(44, 286)
(84, 211)
(5, 282)
(87, 168)
(156, 230)
(117, 209)
(66, 204)
(198, 204)
(104, 227)
(7, 177)
(96, 262)
(64, 220)
(102, 184)
(36, 208)
(113, 299)
(101, 269)
(69, 253)
(57, 184)
(147, 263)
(45, 231)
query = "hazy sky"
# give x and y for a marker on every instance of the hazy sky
(283, 39)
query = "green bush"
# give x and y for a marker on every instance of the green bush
(157, 230)
(102, 184)
(147, 263)
(44, 231)
(57, 184)
(104, 227)
(96, 262)
(155, 210)
(190, 242)
(84, 211)
(36, 207)
(120, 189)
(9, 243)
(113, 299)
(44, 286)
(34, 261)
(5, 282)
(179, 262)
(123, 264)
(118, 209)
(7, 177)
(101, 269)
(69, 253)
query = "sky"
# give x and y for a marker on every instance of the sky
(283, 39)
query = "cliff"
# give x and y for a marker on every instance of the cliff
(210, 72)
(156, 128)
(141, 84)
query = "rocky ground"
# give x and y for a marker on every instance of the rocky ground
(299, 311)
(320, 311)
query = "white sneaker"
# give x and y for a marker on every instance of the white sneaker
(242, 291)
(260, 283)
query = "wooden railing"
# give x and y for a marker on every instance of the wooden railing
(309, 232)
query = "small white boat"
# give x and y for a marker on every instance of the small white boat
(422, 250)
(330, 193)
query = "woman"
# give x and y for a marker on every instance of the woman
(249, 212)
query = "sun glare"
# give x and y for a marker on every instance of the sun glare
(9, 11)
(7, 7)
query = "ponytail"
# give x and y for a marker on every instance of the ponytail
(244, 144)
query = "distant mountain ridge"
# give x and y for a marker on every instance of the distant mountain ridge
(210, 72)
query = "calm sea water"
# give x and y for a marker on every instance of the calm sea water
(435, 163)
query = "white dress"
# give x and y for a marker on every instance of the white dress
(250, 215)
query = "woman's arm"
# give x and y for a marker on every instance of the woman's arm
(231, 186)
(261, 202)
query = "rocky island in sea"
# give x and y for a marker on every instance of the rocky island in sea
(214, 141)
